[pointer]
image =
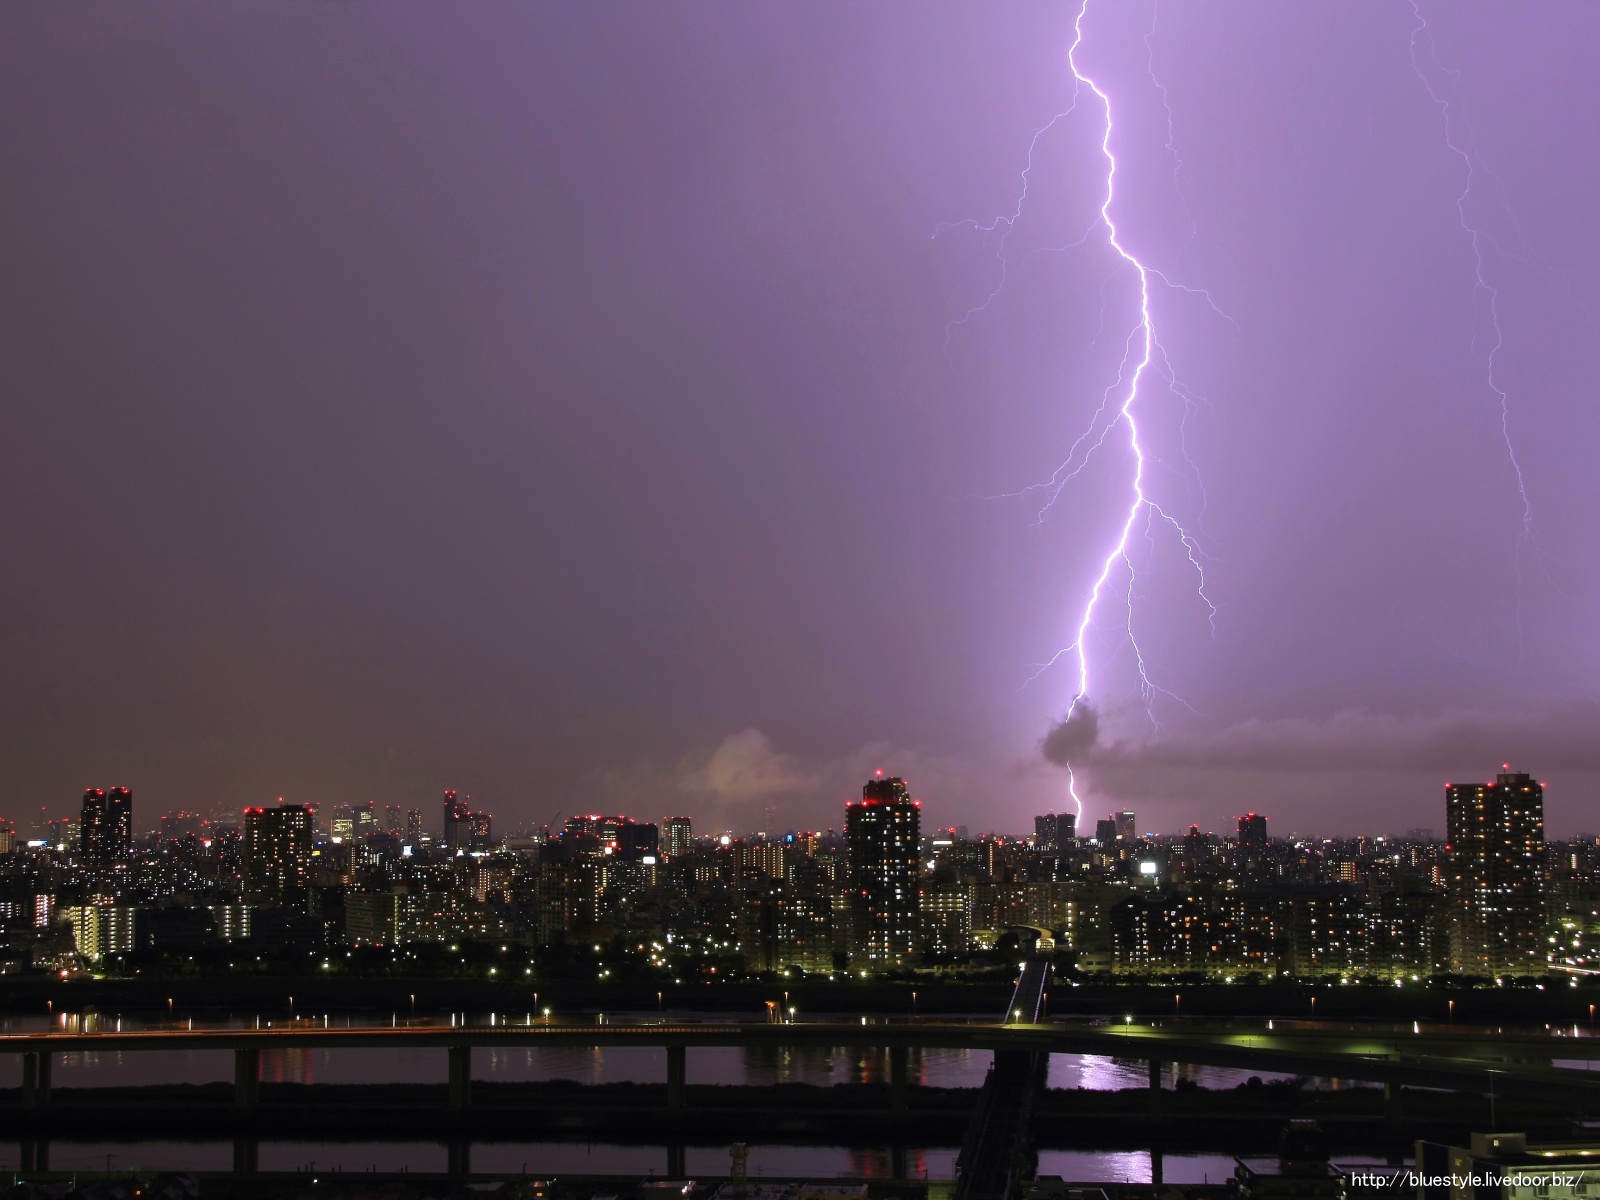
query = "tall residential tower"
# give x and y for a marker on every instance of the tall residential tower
(1496, 875)
(882, 838)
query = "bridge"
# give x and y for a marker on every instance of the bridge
(996, 1152)
(1453, 1059)
(996, 1148)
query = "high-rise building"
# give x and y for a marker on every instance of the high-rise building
(457, 822)
(1055, 831)
(1126, 829)
(1252, 832)
(1105, 832)
(882, 840)
(463, 828)
(1496, 875)
(342, 824)
(677, 836)
(413, 827)
(105, 831)
(394, 819)
(277, 854)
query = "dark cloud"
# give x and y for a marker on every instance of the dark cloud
(1551, 736)
(1075, 738)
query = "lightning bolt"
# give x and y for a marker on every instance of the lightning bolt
(1458, 138)
(1141, 350)
(1442, 85)
(1116, 421)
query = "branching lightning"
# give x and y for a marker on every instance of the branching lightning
(1124, 413)
(1116, 419)
(1140, 348)
(1458, 137)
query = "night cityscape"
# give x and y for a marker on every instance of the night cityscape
(810, 600)
(355, 888)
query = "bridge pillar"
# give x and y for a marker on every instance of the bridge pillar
(35, 1155)
(459, 1098)
(1155, 1074)
(460, 1154)
(246, 1155)
(897, 1160)
(36, 1079)
(1391, 1102)
(675, 1164)
(246, 1078)
(897, 1079)
(677, 1061)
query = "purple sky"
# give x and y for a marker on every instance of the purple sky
(562, 403)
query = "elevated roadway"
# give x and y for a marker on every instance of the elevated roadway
(1423, 1058)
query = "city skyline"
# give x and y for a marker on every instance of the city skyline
(364, 817)
(879, 896)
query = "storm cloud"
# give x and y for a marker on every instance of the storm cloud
(1552, 736)
(1074, 738)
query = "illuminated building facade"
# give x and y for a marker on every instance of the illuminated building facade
(882, 840)
(277, 854)
(105, 830)
(101, 931)
(1055, 831)
(1495, 875)
(677, 836)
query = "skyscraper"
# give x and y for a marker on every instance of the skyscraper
(1126, 829)
(676, 836)
(106, 829)
(1055, 831)
(277, 854)
(457, 822)
(1252, 832)
(882, 836)
(1496, 875)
